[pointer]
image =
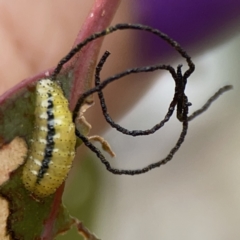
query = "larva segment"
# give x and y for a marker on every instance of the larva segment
(53, 145)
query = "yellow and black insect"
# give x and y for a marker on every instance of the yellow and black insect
(53, 145)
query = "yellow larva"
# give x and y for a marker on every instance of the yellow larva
(53, 145)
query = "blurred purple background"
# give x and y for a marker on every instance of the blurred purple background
(197, 24)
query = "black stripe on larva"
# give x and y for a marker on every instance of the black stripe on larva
(49, 138)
